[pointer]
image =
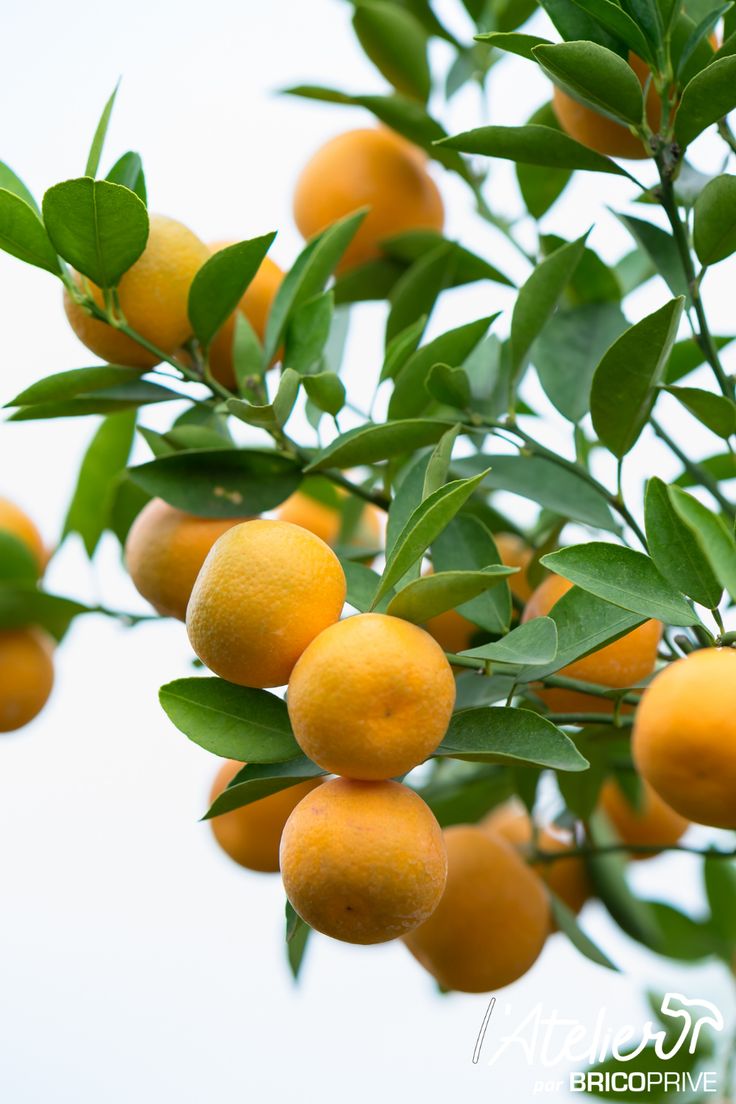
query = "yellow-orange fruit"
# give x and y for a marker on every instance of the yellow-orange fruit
(371, 697)
(568, 878)
(265, 591)
(367, 168)
(453, 632)
(652, 824)
(363, 862)
(15, 521)
(251, 834)
(153, 296)
(684, 742)
(165, 551)
(602, 134)
(26, 676)
(626, 662)
(255, 305)
(325, 522)
(493, 919)
(515, 552)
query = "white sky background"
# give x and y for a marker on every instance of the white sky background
(137, 962)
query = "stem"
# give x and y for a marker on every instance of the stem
(594, 689)
(704, 478)
(679, 233)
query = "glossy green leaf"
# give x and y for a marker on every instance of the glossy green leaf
(625, 382)
(714, 231)
(78, 381)
(687, 355)
(326, 390)
(416, 291)
(308, 332)
(538, 298)
(626, 578)
(529, 645)
(297, 938)
(438, 464)
(533, 145)
(674, 549)
(18, 563)
(371, 443)
(257, 780)
(220, 482)
(102, 466)
(400, 348)
(449, 386)
(128, 171)
(595, 76)
(662, 251)
(98, 141)
(98, 227)
(467, 545)
(619, 23)
(719, 877)
(235, 722)
(511, 736)
(11, 182)
(220, 283)
(396, 43)
(514, 43)
(715, 411)
(433, 594)
(127, 395)
(567, 923)
(362, 583)
(541, 187)
(709, 96)
(22, 604)
(715, 539)
(22, 233)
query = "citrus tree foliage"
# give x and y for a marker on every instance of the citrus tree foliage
(459, 426)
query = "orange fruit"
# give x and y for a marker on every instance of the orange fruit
(153, 296)
(164, 553)
(684, 742)
(568, 878)
(363, 862)
(15, 521)
(492, 921)
(515, 552)
(265, 591)
(652, 824)
(326, 522)
(251, 834)
(601, 133)
(371, 697)
(367, 168)
(255, 305)
(453, 632)
(626, 662)
(26, 676)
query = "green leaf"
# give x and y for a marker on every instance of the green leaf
(716, 412)
(715, 539)
(538, 298)
(308, 332)
(719, 876)
(307, 277)
(540, 187)
(410, 489)
(423, 526)
(608, 872)
(396, 43)
(109, 400)
(438, 464)
(674, 549)
(326, 390)
(23, 604)
(222, 482)
(566, 921)
(449, 386)
(17, 562)
(709, 96)
(233, 721)
(433, 594)
(529, 645)
(98, 227)
(623, 577)
(410, 395)
(575, 24)
(22, 233)
(715, 220)
(271, 415)
(615, 19)
(687, 355)
(103, 463)
(519, 44)
(257, 780)
(625, 382)
(297, 936)
(533, 145)
(595, 76)
(567, 351)
(467, 545)
(462, 793)
(415, 292)
(371, 443)
(93, 161)
(400, 348)
(78, 381)
(220, 283)
(511, 736)
(374, 280)
(660, 247)
(543, 481)
(467, 268)
(128, 171)
(362, 582)
(11, 182)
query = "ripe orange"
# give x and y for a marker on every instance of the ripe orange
(26, 676)
(601, 133)
(251, 834)
(265, 591)
(153, 297)
(568, 878)
(255, 305)
(492, 921)
(652, 824)
(367, 168)
(15, 521)
(325, 522)
(515, 552)
(684, 742)
(363, 861)
(165, 551)
(624, 663)
(371, 697)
